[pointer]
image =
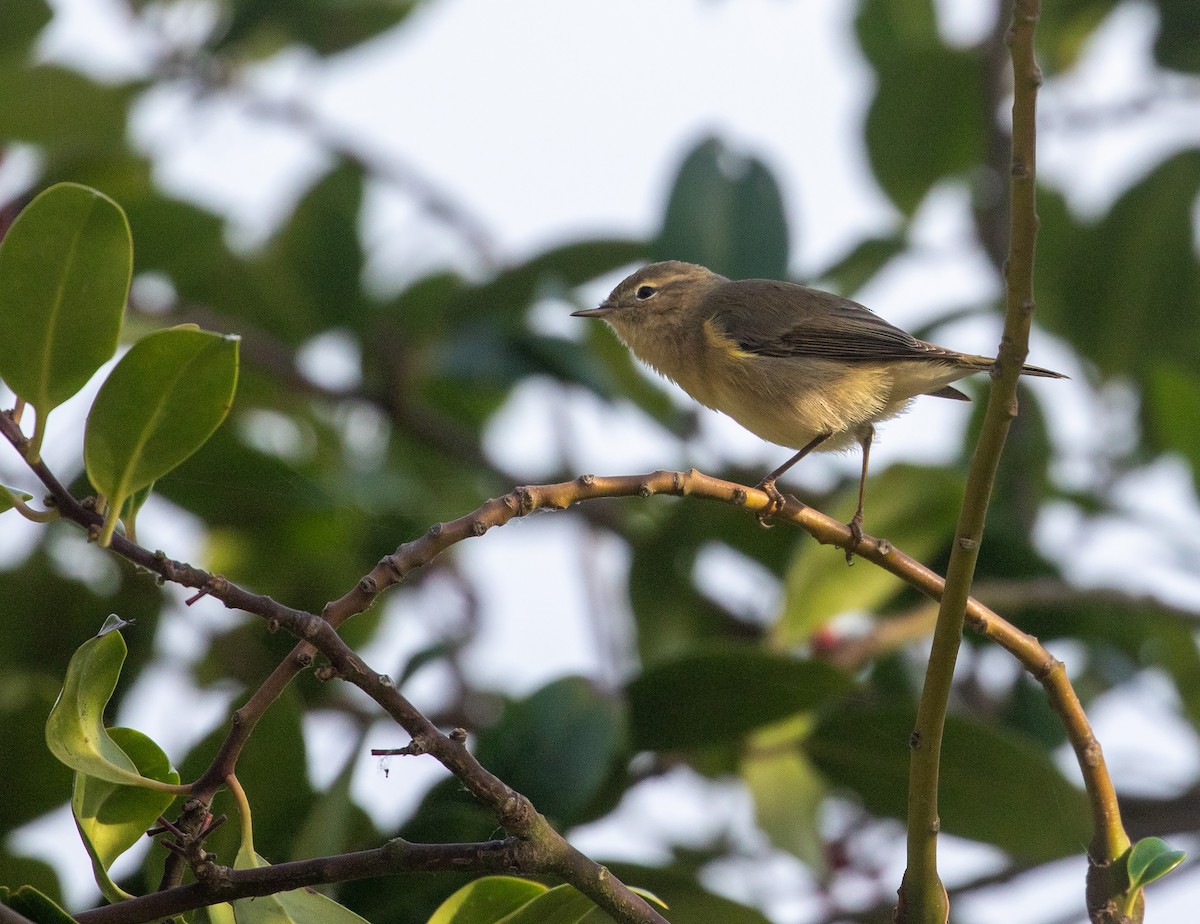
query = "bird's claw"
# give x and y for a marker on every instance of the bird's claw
(856, 536)
(775, 503)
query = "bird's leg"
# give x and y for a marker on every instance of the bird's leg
(855, 524)
(767, 485)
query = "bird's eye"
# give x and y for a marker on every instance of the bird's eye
(644, 292)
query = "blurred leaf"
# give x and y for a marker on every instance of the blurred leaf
(158, 406)
(788, 793)
(61, 109)
(993, 786)
(686, 899)
(34, 905)
(860, 265)
(913, 508)
(112, 818)
(325, 26)
(65, 266)
(920, 132)
(706, 698)
(1149, 859)
(1064, 29)
(23, 22)
(75, 731)
(508, 296)
(26, 697)
(335, 824)
(558, 746)
(726, 212)
(1135, 272)
(30, 871)
(486, 900)
(1178, 43)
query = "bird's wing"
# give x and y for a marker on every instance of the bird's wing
(771, 318)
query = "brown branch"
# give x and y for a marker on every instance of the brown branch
(221, 884)
(512, 810)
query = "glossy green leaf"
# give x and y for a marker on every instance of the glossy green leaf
(112, 818)
(993, 786)
(561, 905)
(75, 731)
(65, 266)
(486, 900)
(160, 404)
(558, 746)
(1149, 859)
(913, 508)
(34, 905)
(726, 212)
(714, 697)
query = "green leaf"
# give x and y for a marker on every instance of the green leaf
(61, 109)
(34, 905)
(160, 404)
(714, 697)
(8, 494)
(65, 266)
(919, 131)
(486, 900)
(994, 786)
(558, 746)
(562, 905)
(788, 793)
(1149, 859)
(1178, 44)
(914, 508)
(23, 22)
(726, 212)
(112, 818)
(75, 731)
(299, 906)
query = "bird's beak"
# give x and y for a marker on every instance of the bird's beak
(599, 312)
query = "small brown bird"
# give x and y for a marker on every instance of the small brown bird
(798, 367)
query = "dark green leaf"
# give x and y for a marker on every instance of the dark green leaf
(713, 697)
(562, 905)
(325, 26)
(34, 905)
(858, 267)
(23, 22)
(558, 746)
(1178, 44)
(160, 404)
(726, 212)
(65, 267)
(993, 786)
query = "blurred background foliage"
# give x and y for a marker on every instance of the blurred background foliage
(310, 483)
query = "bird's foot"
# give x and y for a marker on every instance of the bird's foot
(856, 536)
(774, 504)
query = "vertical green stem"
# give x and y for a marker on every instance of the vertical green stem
(922, 895)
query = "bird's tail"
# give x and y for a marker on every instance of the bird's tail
(983, 362)
(1042, 373)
